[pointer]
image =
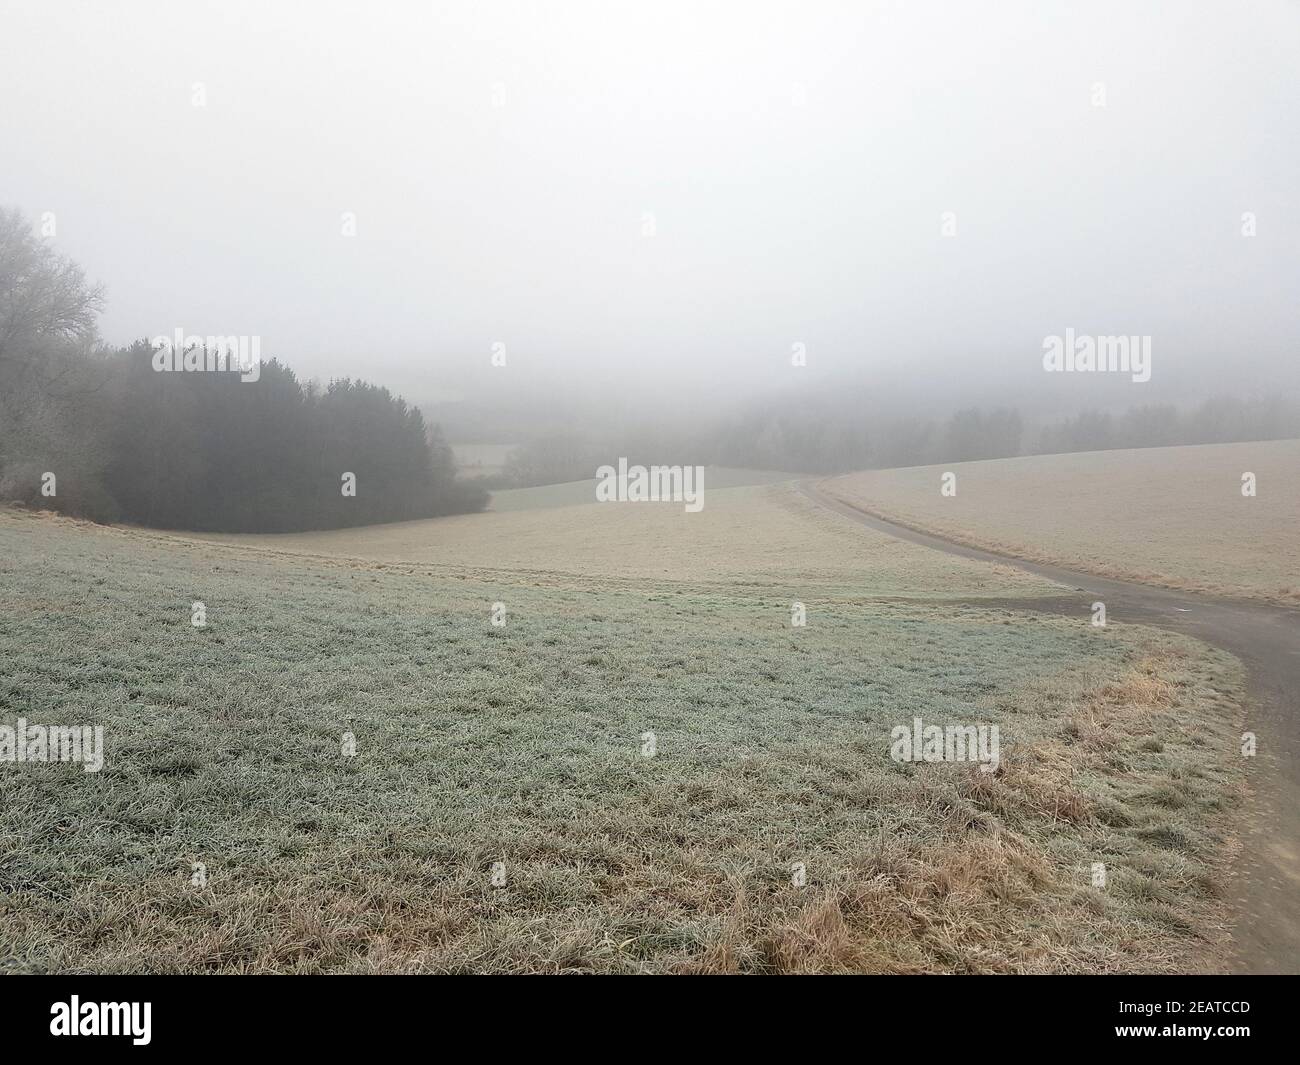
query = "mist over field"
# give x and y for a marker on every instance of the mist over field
(668, 488)
(649, 208)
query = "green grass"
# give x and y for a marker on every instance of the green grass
(579, 493)
(523, 745)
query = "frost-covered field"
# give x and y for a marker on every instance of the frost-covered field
(646, 767)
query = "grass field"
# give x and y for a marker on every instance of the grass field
(518, 753)
(1173, 516)
(760, 537)
(579, 493)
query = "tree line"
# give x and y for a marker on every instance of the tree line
(101, 433)
(827, 437)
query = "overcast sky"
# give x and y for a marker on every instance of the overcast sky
(505, 163)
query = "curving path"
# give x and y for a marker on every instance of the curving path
(1266, 639)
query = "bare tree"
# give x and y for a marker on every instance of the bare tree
(47, 324)
(45, 300)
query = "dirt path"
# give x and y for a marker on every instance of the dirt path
(1266, 893)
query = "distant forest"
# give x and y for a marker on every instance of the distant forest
(832, 436)
(207, 451)
(101, 434)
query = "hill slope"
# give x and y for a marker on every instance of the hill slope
(1172, 516)
(647, 768)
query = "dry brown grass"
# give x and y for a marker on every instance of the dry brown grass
(763, 536)
(1170, 516)
(960, 892)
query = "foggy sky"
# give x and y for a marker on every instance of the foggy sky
(797, 159)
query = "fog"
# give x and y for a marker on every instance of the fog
(651, 207)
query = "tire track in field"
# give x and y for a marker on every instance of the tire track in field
(1266, 638)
